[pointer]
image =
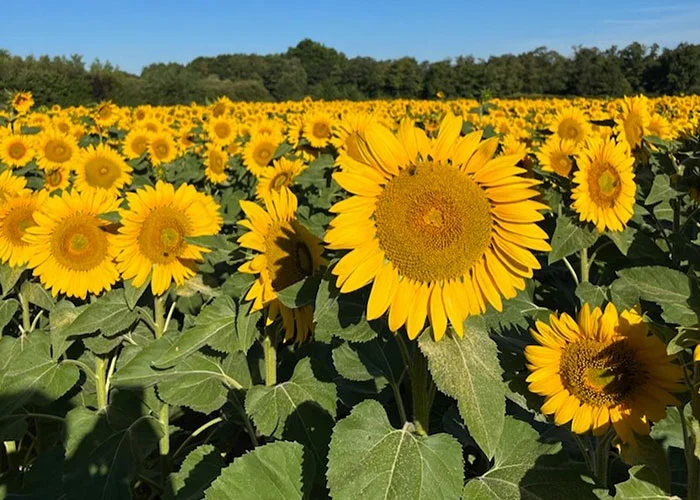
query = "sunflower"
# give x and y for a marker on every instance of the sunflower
(16, 215)
(22, 102)
(15, 150)
(556, 155)
(278, 177)
(286, 252)
(439, 226)
(221, 131)
(600, 369)
(571, 124)
(106, 114)
(659, 126)
(633, 121)
(55, 149)
(161, 148)
(11, 185)
(135, 143)
(259, 152)
(216, 162)
(318, 129)
(56, 178)
(605, 187)
(101, 168)
(154, 231)
(71, 248)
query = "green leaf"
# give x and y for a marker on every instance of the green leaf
(36, 294)
(640, 486)
(569, 237)
(379, 360)
(133, 294)
(202, 466)
(589, 293)
(110, 314)
(669, 288)
(517, 312)
(524, 467)
(661, 190)
(302, 293)
(467, 369)
(112, 217)
(340, 315)
(646, 451)
(137, 372)
(370, 459)
(271, 472)
(9, 277)
(622, 239)
(8, 308)
(301, 409)
(236, 284)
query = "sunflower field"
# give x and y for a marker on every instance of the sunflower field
(351, 300)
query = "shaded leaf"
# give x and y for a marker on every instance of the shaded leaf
(197, 472)
(569, 237)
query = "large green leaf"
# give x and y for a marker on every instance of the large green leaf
(524, 467)
(640, 486)
(467, 369)
(110, 314)
(270, 472)
(202, 466)
(370, 459)
(8, 308)
(570, 237)
(661, 190)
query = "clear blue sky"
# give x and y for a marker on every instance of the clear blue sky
(132, 34)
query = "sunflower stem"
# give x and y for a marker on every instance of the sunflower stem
(159, 315)
(164, 413)
(270, 351)
(420, 388)
(585, 268)
(602, 455)
(26, 318)
(101, 382)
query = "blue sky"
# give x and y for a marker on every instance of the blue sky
(132, 34)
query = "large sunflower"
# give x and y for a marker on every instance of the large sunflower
(101, 168)
(600, 369)
(259, 152)
(605, 187)
(439, 226)
(16, 215)
(571, 124)
(633, 121)
(15, 150)
(278, 177)
(154, 231)
(286, 252)
(71, 248)
(55, 149)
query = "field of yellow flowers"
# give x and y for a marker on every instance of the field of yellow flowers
(351, 300)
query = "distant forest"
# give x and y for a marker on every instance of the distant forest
(312, 69)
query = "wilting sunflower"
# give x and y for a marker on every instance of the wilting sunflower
(278, 177)
(557, 155)
(439, 226)
(259, 151)
(571, 124)
(286, 252)
(56, 178)
(318, 129)
(15, 150)
(71, 248)
(101, 168)
(153, 234)
(162, 148)
(16, 215)
(22, 102)
(605, 187)
(55, 149)
(216, 162)
(600, 369)
(11, 185)
(135, 143)
(633, 121)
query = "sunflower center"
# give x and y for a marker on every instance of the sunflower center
(16, 223)
(263, 154)
(605, 184)
(17, 150)
(569, 129)
(101, 173)
(600, 374)
(216, 163)
(162, 237)
(54, 178)
(561, 164)
(321, 130)
(289, 258)
(222, 130)
(161, 150)
(280, 180)
(433, 222)
(79, 243)
(57, 151)
(139, 145)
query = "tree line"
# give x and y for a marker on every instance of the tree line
(312, 69)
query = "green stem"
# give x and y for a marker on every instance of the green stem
(420, 391)
(600, 462)
(164, 442)
(159, 315)
(101, 382)
(26, 318)
(270, 351)
(585, 452)
(585, 269)
(399, 402)
(196, 433)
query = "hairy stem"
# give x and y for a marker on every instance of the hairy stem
(585, 269)
(101, 382)
(270, 351)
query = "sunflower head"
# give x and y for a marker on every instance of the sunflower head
(439, 226)
(55, 149)
(557, 155)
(285, 253)
(216, 162)
(259, 152)
(221, 130)
(318, 129)
(22, 102)
(162, 148)
(571, 124)
(602, 368)
(135, 143)
(100, 167)
(604, 185)
(11, 185)
(279, 177)
(16, 216)
(633, 121)
(15, 150)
